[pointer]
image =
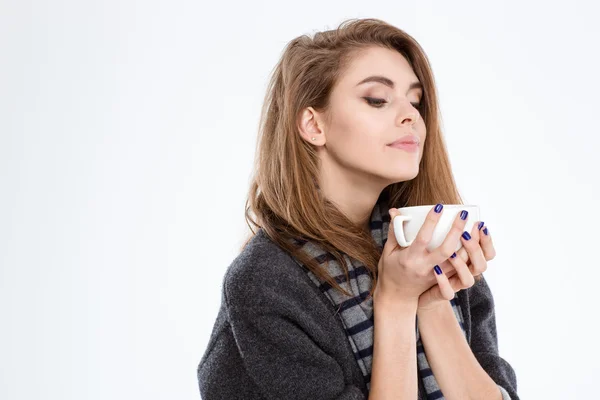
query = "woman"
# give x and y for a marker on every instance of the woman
(322, 302)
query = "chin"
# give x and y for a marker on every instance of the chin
(404, 179)
(406, 174)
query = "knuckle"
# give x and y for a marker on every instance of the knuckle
(470, 281)
(446, 250)
(412, 264)
(471, 246)
(421, 241)
(423, 272)
(426, 270)
(480, 270)
(455, 230)
(430, 220)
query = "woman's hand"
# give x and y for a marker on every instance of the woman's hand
(405, 272)
(463, 269)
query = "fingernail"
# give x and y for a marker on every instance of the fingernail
(453, 255)
(480, 226)
(463, 214)
(466, 235)
(485, 230)
(438, 208)
(437, 269)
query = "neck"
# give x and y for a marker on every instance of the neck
(355, 194)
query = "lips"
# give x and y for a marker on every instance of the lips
(407, 139)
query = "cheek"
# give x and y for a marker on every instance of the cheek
(357, 141)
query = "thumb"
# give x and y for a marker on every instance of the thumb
(391, 242)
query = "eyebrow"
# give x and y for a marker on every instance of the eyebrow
(388, 82)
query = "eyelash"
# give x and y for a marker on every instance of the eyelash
(378, 103)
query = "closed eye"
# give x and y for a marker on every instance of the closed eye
(378, 103)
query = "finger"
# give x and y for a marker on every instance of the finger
(391, 244)
(457, 284)
(448, 268)
(462, 253)
(465, 257)
(446, 249)
(471, 244)
(474, 234)
(463, 272)
(485, 241)
(446, 290)
(425, 233)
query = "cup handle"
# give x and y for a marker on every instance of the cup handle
(399, 230)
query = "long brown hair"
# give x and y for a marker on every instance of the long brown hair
(284, 196)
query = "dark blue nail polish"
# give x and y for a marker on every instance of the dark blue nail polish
(437, 269)
(438, 208)
(466, 235)
(463, 214)
(453, 255)
(480, 226)
(485, 230)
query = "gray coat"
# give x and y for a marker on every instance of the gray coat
(276, 335)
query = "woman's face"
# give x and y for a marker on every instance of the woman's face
(374, 103)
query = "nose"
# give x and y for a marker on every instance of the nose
(408, 115)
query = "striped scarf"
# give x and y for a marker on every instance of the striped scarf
(356, 312)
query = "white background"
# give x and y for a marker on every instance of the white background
(127, 134)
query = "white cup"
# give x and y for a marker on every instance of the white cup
(410, 220)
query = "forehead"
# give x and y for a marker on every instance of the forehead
(379, 61)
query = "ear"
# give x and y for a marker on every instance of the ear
(311, 126)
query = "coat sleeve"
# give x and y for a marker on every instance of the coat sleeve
(272, 325)
(484, 340)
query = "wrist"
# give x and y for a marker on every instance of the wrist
(435, 309)
(394, 304)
